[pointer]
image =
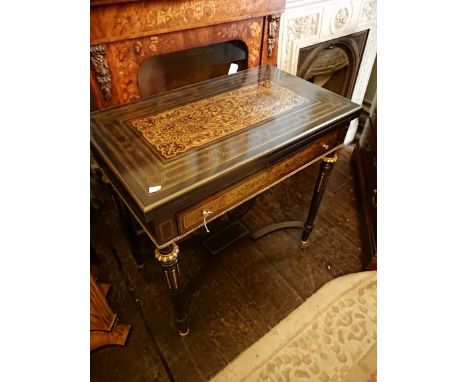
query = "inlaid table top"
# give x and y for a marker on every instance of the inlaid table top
(183, 144)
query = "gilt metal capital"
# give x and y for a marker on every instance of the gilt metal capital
(167, 258)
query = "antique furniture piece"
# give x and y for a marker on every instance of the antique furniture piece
(127, 34)
(104, 325)
(184, 157)
(364, 162)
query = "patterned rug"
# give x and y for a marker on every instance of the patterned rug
(332, 336)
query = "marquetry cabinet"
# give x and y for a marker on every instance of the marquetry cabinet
(125, 33)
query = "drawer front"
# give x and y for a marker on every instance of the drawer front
(226, 199)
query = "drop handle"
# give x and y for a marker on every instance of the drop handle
(205, 214)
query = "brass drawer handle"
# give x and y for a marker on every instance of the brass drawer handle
(205, 215)
(325, 146)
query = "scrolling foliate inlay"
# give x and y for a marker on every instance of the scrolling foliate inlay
(177, 130)
(101, 70)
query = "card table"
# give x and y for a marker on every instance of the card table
(182, 158)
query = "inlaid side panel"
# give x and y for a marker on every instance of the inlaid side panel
(225, 199)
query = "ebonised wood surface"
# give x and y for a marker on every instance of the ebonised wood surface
(154, 141)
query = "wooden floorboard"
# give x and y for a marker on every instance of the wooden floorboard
(253, 287)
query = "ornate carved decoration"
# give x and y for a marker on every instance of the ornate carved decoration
(177, 130)
(101, 70)
(365, 68)
(369, 11)
(273, 25)
(300, 27)
(341, 18)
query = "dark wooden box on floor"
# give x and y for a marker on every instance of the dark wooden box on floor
(189, 155)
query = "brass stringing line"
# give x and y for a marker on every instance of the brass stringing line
(322, 175)
(233, 157)
(148, 125)
(250, 197)
(139, 221)
(167, 278)
(144, 186)
(174, 276)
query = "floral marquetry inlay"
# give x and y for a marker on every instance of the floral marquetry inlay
(177, 130)
(197, 10)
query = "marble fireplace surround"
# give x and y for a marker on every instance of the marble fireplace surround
(309, 22)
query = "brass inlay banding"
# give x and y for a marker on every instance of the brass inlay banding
(319, 186)
(224, 199)
(185, 234)
(174, 277)
(177, 130)
(168, 281)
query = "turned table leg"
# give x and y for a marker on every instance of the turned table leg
(167, 257)
(325, 169)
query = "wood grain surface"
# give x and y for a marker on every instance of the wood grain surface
(135, 19)
(129, 32)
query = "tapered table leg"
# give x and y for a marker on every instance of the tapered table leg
(325, 168)
(167, 257)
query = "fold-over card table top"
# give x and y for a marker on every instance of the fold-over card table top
(169, 151)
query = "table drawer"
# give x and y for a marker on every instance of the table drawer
(238, 193)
